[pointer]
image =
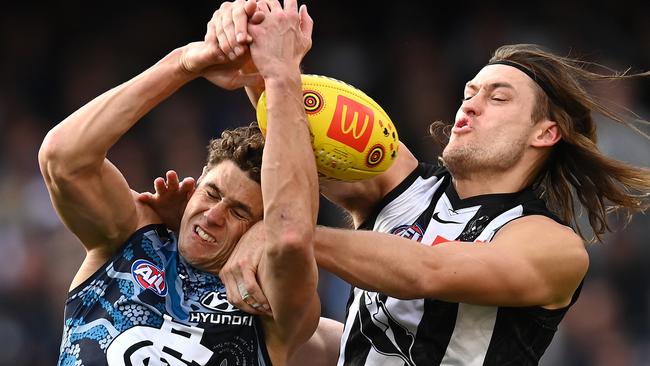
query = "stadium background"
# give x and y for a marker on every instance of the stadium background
(413, 58)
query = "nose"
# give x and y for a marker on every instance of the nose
(216, 215)
(472, 106)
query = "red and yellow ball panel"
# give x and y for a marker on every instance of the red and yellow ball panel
(353, 138)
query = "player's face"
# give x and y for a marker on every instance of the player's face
(494, 123)
(225, 204)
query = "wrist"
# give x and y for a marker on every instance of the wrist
(182, 67)
(280, 73)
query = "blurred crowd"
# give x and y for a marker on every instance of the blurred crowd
(411, 57)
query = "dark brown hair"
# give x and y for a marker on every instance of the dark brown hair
(576, 171)
(243, 146)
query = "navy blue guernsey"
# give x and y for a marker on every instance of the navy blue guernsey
(381, 330)
(147, 306)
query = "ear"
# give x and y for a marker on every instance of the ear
(546, 133)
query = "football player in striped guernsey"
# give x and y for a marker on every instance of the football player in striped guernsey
(475, 261)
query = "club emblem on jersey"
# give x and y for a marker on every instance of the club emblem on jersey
(413, 232)
(149, 277)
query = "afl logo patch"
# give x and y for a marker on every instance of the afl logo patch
(413, 232)
(375, 156)
(313, 101)
(149, 277)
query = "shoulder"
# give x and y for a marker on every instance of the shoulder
(546, 237)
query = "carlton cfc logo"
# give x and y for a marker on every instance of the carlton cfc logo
(149, 277)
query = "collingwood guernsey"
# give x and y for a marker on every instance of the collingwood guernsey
(381, 330)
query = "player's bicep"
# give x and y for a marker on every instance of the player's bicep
(96, 205)
(530, 262)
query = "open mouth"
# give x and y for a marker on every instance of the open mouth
(461, 125)
(204, 235)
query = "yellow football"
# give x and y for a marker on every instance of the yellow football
(353, 138)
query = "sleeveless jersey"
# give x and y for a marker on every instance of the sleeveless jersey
(147, 306)
(381, 330)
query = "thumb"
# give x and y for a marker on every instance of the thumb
(249, 7)
(145, 197)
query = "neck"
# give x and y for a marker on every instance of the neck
(490, 182)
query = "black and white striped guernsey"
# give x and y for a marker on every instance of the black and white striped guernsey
(381, 330)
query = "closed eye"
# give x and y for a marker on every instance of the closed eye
(239, 214)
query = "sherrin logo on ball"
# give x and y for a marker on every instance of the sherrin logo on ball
(353, 137)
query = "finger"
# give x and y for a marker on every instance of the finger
(159, 185)
(250, 7)
(256, 19)
(210, 36)
(187, 185)
(211, 40)
(306, 22)
(250, 304)
(232, 291)
(274, 5)
(291, 5)
(228, 24)
(172, 181)
(224, 17)
(228, 282)
(263, 6)
(250, 281)
(240, 21)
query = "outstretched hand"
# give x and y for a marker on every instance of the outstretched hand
(170, 198)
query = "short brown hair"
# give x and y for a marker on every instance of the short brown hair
(243, 146)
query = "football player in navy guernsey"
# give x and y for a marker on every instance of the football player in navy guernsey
(145, 296)
(474, 261)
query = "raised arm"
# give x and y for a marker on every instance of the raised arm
(287, 272)
(89, 193)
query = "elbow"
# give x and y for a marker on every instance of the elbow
(49, 156)
(58, 161)
(291, 242)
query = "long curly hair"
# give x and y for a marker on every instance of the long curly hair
(576, 174)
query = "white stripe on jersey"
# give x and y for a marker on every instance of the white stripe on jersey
(408, 206)
(348, 325)
(471, 337)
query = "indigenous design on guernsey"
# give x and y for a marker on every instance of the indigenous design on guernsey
(381, 330)
(147, 306)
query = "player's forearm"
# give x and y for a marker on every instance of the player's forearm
(82, 140)
(289, 178)
(374, 261)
